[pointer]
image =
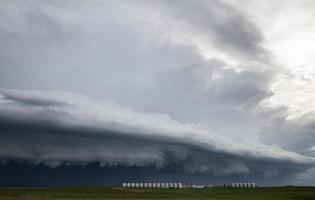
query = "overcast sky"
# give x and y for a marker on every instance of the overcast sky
(220, 88)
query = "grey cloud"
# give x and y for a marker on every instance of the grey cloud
(29, 99)
(81, 130)
(99, 50)
(296, 135)
(96, 68)
(115, 63)
(209, 92)
(226, 27)
(219, 85)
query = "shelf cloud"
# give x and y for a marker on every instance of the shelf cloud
(222, 88)
(57, 128)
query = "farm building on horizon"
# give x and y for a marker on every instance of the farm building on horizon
(152, 185)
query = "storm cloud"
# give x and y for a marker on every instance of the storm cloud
(72, 129)
(204, 87)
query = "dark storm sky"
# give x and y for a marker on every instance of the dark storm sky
(208, 91)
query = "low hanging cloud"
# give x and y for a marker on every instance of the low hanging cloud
(57, 128)
(207, 64)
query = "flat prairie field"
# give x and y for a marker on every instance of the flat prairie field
(98, 193)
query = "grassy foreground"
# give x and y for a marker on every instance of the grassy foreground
(278, 193)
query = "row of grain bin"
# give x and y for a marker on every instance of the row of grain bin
(152, 185)
(243, 185)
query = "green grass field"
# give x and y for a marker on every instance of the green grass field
(277, 193)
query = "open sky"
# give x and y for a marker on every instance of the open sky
(204, 90)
